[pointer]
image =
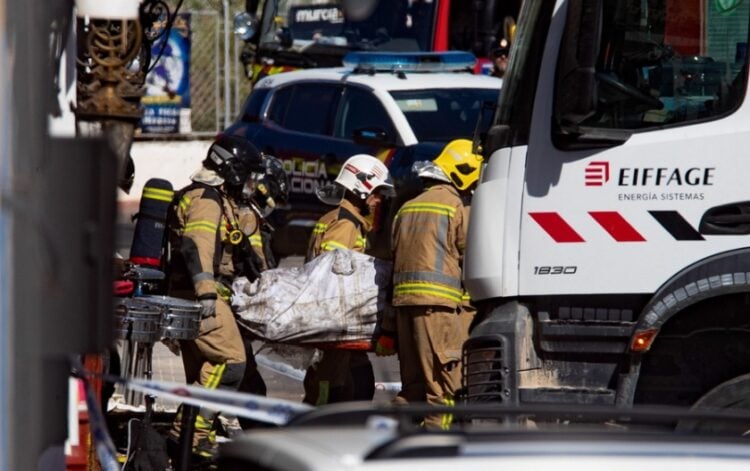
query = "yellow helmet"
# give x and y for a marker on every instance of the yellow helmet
(459, 163)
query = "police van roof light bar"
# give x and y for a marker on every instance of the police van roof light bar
(451, 61)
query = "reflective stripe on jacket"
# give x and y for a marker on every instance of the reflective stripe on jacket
(341, 228)
(429, 234)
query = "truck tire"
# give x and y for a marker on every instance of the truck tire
(732, 394)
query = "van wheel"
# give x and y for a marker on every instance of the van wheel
(732, 394)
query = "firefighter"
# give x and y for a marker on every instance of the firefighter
(204, 230)
(262, 193)
(347, 375)
(500, 59)
(429, 233)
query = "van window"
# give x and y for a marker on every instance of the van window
(360, 109)
(662, 63)
(312, 109)
(251, 109)
(279, 105)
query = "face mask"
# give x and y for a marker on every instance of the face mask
(248, 189)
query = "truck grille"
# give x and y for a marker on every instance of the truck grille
(484, 373)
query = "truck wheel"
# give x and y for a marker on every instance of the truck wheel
(732, 394)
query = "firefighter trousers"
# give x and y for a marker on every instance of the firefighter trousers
(252, 382)
(216, 359)
(430, 339)
(341, 375)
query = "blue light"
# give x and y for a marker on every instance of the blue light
(450, 61)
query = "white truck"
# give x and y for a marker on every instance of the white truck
(608, 244)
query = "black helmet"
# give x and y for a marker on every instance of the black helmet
(234, 159)
(127, 175)
(271, 185)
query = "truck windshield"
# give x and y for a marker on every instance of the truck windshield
(660, 64)
(389, 25)
(456, 110)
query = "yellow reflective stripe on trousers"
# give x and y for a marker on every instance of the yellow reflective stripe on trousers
(446, 420)
(428, 289)
(202, 423)
(332, 245)
(206, 226)
(158, 194)
(215, 377)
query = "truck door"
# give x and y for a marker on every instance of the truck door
(642, 170)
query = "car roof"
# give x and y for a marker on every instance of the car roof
(331, 448)
(290, 448)
(388, 81)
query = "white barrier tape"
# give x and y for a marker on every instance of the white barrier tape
(299, 375)
(390, 387)
(251, 406)
(281, 368)
(105, 448)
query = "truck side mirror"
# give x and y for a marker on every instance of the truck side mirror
(484, 120)
(372, 136)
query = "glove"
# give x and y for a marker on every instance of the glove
(173, 345)
(386, 346)
(208, 308)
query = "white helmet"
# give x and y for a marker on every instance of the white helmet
(362, 174)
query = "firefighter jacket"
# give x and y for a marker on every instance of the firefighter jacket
(341, 228)
(250, 226)
(429, 234)
(204, 223)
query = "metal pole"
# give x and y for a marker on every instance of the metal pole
(187, 431)
(217, 90)
(227, 69)
(7, 344)
(235, 61)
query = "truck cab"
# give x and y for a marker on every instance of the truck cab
(284, 35)
(608, 244)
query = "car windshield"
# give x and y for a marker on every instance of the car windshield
(389, 25)
(456, 109)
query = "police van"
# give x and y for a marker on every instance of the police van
(399, 107)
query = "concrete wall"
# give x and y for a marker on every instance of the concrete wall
(173, 161)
